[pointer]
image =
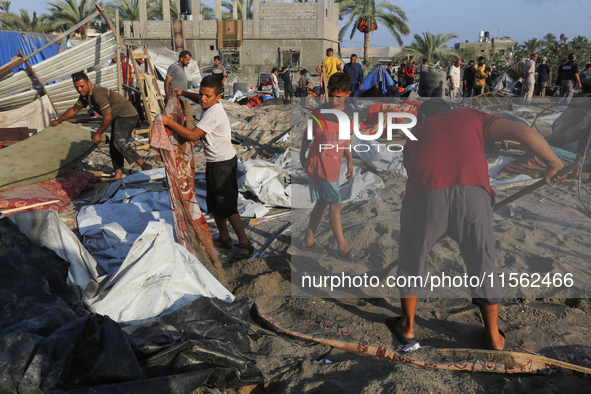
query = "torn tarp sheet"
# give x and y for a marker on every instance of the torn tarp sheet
(131, 237)
(51, 343)
(378, 156)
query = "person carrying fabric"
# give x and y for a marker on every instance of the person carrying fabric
(117, 112)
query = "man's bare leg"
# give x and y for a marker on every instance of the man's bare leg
(236, 223)
(490, 318)
(405, 326)
(315, 218)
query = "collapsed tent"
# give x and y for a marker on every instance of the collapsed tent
(50, 342)
(28, 43)
(162, 58)
(377, 83)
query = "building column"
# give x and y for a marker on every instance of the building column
(195, 10)
(244, 10)
(320, 21)
(143, 15)
(256, 8)
(218, 9)
(234, 9)
(165, 10)
(178, 9)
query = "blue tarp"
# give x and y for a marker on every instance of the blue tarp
(378, 76)
(28, 43)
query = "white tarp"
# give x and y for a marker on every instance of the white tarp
(162, 58)
(157, 276)
(378, 156)
(36, 115)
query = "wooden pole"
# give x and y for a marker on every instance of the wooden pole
(119, 76)
(39, 82)
(531, 188)
(39, 204)
(18, 61)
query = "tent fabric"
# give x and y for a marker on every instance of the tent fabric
(51, 343)
(36, 115)
(27, 42)
(49, 153)
(379, 77)
(162, 58)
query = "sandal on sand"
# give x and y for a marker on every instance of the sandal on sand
(223, 243)
(352, 255)
(243, 256)
(315, 247)
(391, 323)
(503, 334)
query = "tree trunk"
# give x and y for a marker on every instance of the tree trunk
(366, 49)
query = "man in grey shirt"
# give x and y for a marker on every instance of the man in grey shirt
(219, 71)
(176, 78)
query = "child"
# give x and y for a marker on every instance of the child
(287, 83)
(275, 82)
(220, 171)
(303, 85)
(323, 169)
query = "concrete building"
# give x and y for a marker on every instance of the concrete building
(487, 47)
(377, 55)
(290, 34)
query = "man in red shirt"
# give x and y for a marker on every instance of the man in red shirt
(448, 192)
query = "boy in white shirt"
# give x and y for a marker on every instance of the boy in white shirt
(220, 171)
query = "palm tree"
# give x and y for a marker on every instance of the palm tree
(370, 12)
(532, 45)
(563, 38)
(128, 9)
(228, 14)
(157, 10)
(550, 38)
(5, 6)
(65, 14)
(24, 22)
(428, 46)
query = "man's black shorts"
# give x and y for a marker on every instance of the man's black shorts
(222, 187)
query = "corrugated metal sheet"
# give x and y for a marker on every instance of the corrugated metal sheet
(84, 56)
(62, 93)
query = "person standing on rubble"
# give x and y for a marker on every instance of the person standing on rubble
(355, 70)
(409, 72)
(468, 79)
(117, 112)
(177, 78)
(448, 192)
(219, 71)
(544, 76)
(287, 83)
(570, 76)
(454, 78)
(528, 75)
(559, 75)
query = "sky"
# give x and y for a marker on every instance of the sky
(518, 19)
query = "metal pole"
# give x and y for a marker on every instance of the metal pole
(39, 82)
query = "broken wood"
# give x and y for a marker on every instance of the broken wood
(39, 82)
(39, 204)
(531, 188)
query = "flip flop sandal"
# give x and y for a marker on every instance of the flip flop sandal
(391, 322)
(315, 247)
(223, 243)
(352, 255)
(243, 256)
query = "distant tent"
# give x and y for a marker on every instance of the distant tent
(377, 83)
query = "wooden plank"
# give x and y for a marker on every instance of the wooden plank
(39, 82)
(39, 204)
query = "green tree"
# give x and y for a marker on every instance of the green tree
(67, 13)
(5, 6)
(128, 9)
(533, 45)
(24, 22)
(550, 38)
(241, 6)
(428, 46)
(382, 12)
(563, 39)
